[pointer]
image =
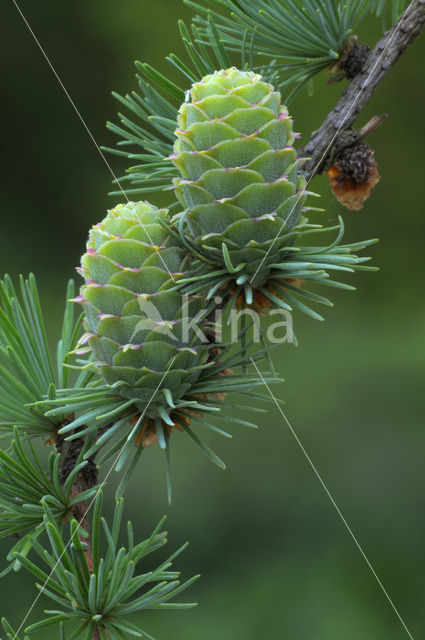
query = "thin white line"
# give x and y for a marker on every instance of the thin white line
(91, 503)
(333, 139)
(333, 501)
(88, 130)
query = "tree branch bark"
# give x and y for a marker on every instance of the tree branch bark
(385, 54)
(86, 479)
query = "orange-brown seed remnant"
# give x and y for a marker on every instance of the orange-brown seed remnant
(354, 175)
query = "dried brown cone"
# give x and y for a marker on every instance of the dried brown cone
(354, 175)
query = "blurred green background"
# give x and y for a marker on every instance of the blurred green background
(276, 559)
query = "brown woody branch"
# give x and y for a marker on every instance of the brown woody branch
(86, 479)
(69, 451)
(380, 60)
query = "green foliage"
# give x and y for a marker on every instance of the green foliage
(303, 38)
(25, 485)
(155, 107)
(10, 633)
(127, 426)
(99, 587)
(389, 10)
(299, 39)
(243, 198)
(113, 423)
(26, 370)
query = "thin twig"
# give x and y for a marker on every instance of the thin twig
(370, 126)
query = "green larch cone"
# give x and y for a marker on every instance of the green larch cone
(134, 319)
(154, 347)
(241, 183)
(243, 194)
